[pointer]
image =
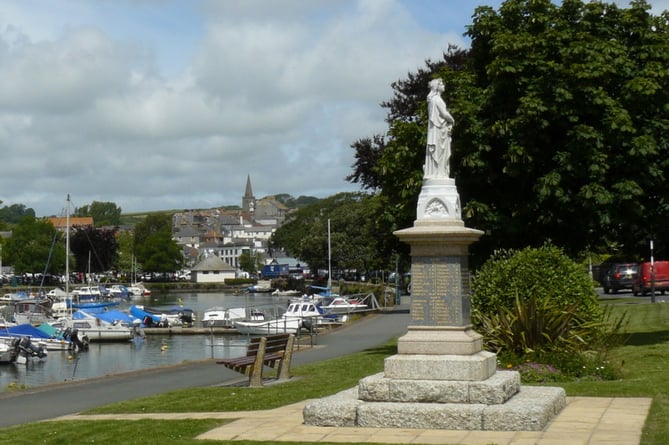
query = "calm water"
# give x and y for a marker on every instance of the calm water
(154, 351)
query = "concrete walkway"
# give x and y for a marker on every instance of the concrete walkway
(585, 421)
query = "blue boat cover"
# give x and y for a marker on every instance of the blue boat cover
(25, 330)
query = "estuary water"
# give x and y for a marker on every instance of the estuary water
(151, 352)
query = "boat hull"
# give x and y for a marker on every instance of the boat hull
(278, 326)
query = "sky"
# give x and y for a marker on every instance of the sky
(172, 104)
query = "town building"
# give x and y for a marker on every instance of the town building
(228, 233)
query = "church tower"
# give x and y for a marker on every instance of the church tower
(248, 200)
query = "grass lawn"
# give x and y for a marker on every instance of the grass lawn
(643, 359)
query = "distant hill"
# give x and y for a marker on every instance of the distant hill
(284, 198)
(295, 203)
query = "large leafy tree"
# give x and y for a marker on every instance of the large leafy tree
(126, 252)
(14, 213)
(34, 247)
(155, 249)
(97, 248)
(561, 127)
(353, 242)
(103, 213)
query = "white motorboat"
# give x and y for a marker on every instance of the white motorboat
(218, 316)
(342, 305)
(94, 328)
(287, 293)
(300, 314)
(119, 291)
(89, 293)
(34, 311)
(138, 290)
(8, 350)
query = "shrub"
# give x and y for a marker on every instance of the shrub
(535, 300)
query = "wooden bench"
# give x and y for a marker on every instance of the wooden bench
(271, 350)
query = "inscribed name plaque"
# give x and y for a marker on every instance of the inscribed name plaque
(440, 291)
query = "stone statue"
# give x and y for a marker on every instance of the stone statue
(440, 123)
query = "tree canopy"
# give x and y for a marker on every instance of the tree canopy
(34, 246)
(14, 213)
(103, 213)
(353, 238)
(155, 249)
(92, 247)
(561, 128)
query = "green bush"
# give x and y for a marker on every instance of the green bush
(535, 300)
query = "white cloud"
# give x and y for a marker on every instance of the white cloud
(164, 104)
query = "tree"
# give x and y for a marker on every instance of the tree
(103, 213)
(560, 127)
(95, 247)
(124, 261)
(34, 246)
(155, 249)
(353, 242)
(250, 262)
(160, 253)
(14, 213)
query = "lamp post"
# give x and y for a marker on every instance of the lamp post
(652, 274)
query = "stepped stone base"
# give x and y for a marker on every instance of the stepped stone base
(530, 409)
(442, 340)
(479, 366)
(496, 390)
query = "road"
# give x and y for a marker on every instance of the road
(60, 399)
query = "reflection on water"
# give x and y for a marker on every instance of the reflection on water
(151, 352)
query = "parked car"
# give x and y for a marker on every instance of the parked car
(620, 276)
(643, 283)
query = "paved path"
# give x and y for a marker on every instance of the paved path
(72, 397)
(584, 421)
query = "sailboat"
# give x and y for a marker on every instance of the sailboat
(137, 289)
(87, 326)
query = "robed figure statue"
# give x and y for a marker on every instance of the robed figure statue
(440, 123)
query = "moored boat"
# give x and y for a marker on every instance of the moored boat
(218, 316)
(8, 350)
(119, 292)
(342, 305)
(163, 318)
(30, 310)
(138, 290)
(36, 336)
(94, 328)
(287, 293)
(299, 315)
(259, 289)
(89, 293)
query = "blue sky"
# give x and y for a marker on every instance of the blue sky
(170, 104)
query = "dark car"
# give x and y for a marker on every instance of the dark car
(620, 276)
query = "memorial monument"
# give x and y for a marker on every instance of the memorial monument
(441, 378)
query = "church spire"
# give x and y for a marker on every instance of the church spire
(249, 192)
(248, 200)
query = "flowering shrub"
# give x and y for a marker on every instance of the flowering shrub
(539, 368)
(538, 373)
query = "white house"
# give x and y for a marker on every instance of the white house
(212, 270)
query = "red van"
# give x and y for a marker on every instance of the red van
(642, 284)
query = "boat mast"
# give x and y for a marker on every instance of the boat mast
(329, 260)
(67, 251)
(67, 246)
